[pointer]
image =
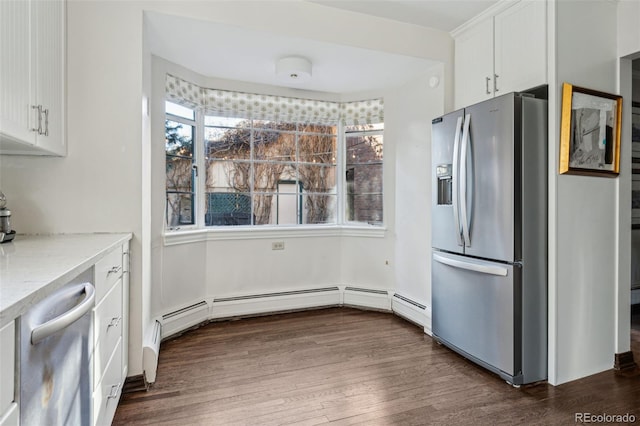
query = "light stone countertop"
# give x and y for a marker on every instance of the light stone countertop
(33, 266)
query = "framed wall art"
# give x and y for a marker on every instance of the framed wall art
(590, 132)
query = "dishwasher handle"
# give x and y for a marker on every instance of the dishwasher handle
(42, 331)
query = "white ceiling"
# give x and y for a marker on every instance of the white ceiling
(444, 15)
(249, 55)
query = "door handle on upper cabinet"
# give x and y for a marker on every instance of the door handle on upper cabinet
(487, 79)
(38, 129)
(495, 82)
(46, 122)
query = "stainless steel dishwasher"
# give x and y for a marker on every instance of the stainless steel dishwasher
(55, 357)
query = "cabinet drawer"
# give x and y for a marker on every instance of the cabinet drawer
(108, 328)
(7, 365)
(107, 271)
(107, 393)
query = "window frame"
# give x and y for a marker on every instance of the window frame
(345, 168)
(195, 167)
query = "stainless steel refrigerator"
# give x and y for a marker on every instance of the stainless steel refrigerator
(489, 235)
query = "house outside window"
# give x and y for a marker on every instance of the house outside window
(235, 159)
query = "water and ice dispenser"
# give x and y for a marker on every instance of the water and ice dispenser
(445, 183)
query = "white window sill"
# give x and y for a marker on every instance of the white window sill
(195, 235)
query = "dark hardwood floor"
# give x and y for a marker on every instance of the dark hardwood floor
(346, 366)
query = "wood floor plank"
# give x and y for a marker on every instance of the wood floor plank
(345, 366)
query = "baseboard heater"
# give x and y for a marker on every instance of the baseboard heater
(277, 302)
(366, 290)
(278, 294)
(412, 311)
(151, 352)
(409, 301)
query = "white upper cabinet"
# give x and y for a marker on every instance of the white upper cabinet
(501, 52)
(474, 64)
(32, 77)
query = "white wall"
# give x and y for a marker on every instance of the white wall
(584, 285)
(418, 104)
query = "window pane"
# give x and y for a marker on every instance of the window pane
(274, 145)
(227, 176)
(180, 209)
(179, 174)
(318, 149)
(215, 121)
(227, 144)
(364, 148)
(363, 127)
(179, 110)
(364, 193)
(227, 209)
(319, 208)
(317, 178)
(267, 175)
(262, 208)
(364, 157)
(178, 138)
(284, 208)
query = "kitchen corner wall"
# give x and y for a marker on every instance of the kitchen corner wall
(418, 103)
(584, 247)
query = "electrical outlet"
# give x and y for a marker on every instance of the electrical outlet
(277, 245)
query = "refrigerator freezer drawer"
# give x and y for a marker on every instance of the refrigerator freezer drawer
(474, 309)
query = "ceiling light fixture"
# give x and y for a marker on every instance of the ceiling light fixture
(293, 69)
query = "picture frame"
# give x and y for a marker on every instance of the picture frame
(635, 165)
(635, 125)
(635, 200)
(590, 132)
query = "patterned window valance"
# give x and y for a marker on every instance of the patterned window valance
(275, 108)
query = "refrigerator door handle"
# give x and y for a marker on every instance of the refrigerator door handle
(470, 265)
(463, 181)
(454, 181)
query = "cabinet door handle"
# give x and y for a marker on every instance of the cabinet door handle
(114, 391)
(38, 129)
(46, 122)
(487, 79)
(495, 82)
(114, 270)
(114, 322)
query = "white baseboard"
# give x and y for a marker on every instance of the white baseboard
(274, 302)
(183, 318)
(247, 305)
(412, 311)
(366, 298)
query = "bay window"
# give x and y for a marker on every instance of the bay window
(255, 160)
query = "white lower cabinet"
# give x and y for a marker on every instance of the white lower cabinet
(107, 392)
(110, 319)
